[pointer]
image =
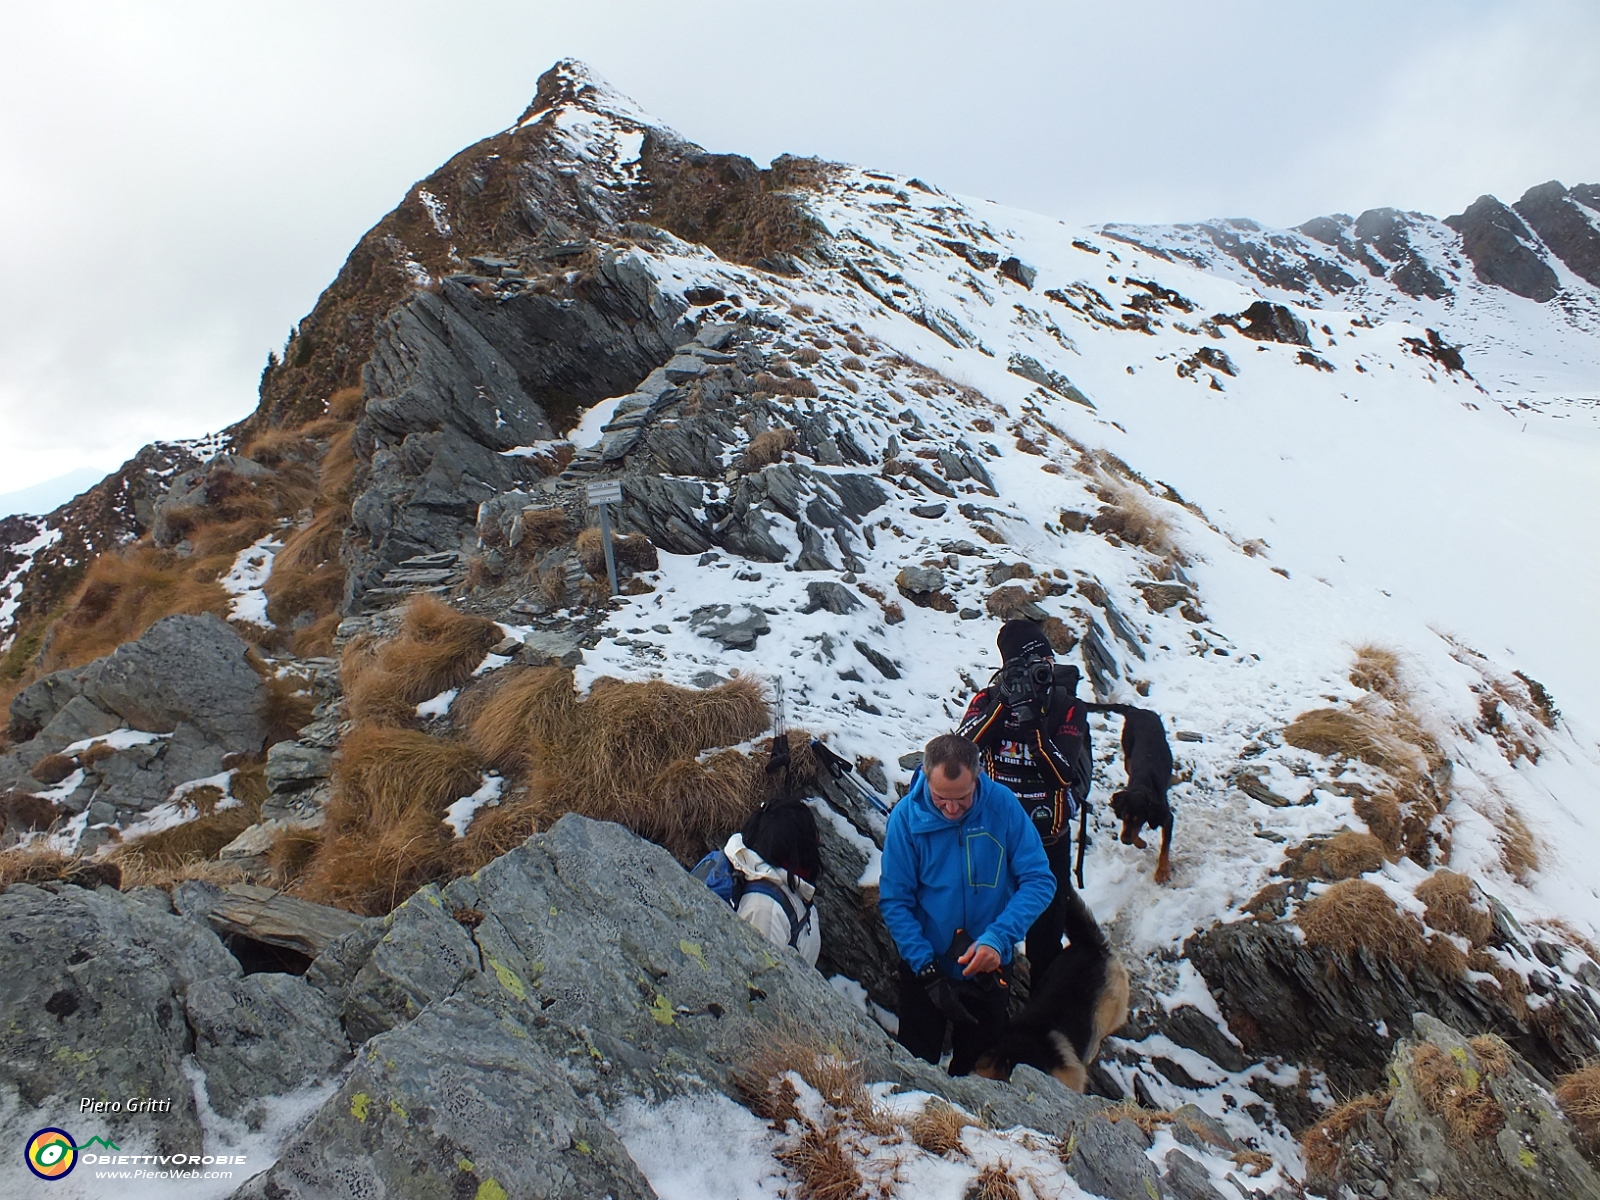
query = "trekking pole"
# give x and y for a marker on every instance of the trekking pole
(778, 755)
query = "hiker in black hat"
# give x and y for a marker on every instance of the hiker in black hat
(1033, 733)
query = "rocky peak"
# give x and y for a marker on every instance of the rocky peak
(1568, 223)
(1503, 251)
(573, 83)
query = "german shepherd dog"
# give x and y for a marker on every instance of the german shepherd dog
(1081, 1000)
(1148, 760)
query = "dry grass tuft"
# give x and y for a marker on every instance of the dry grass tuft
(767, 448)
(632, 551)
(824, 1168)
(52, 769)
(834, 1071)
(1009, 602)
(1060, 635)
(1403, 826)
(1127, 515)
(27, 864)
(1378, 670)
(437, 649)
(1519, 853)
(937, 1128)
(1345, 855)
(1578, 1093)
(1349, 733)
(1452, 1090)
(161, 857)
(125, 593)
(384, 836)
(1444, 958)
(1323, 1143)
(544, 529)
(633, 753)
(1494, 1056)
(1147, 1120)
(994, 1182)
(1355, 915)
(1452, 901)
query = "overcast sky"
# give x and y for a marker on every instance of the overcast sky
(178, 182)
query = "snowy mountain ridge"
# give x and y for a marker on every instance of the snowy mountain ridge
(1314, 496)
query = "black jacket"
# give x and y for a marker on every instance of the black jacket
(1046, 762)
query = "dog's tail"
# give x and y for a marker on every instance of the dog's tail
(1121, 710)
(1081, 927)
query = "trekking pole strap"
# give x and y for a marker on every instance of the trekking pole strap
(1083, 839)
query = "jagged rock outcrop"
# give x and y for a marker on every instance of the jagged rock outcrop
(1459, 1118)
(1568, 223)
(457, 379)
(1503, 251)
(186, 685)
(580, 971)
(1344, 1011)
(94, 986)
(43, 558)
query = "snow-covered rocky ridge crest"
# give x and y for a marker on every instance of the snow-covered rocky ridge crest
(928, 411)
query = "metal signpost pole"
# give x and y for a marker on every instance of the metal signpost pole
(601, 495)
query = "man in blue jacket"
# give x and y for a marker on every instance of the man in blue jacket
(964, 876)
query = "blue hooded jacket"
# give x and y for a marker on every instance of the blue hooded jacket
(985, 873)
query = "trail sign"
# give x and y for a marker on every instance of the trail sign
(601, 495)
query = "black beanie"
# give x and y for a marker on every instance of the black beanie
(1021, 639)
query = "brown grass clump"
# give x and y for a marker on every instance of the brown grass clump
(1451, 898)
(544, 528)
(632, 551)
(994, 1182)
(767, 448)
(937, 1128)
(1128, 515)
(125, 593)
(1444, 958)
(1578, 1093)
(630, 752)
(1148, 1120)
(1345, 855)
(52, 769)
(1451, 1089)
(1378, 670)
(1494, 1056)
(345, 404)
(1355, 915)
(437, 649)
(29, 865)
(824, 1167)
(1323, 1143)
(160, 858)
(1519, 853)
(1346, 733)
(493, 832)
(384, 836)
(1009, 602)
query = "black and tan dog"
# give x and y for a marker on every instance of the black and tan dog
(1147, 758)
(1081, 1000)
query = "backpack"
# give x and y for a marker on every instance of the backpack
(717, 873)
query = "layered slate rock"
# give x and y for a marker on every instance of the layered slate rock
(187, 685)
(1460, 1118)
(583, 970)
(1344, 1012)
(457, 378)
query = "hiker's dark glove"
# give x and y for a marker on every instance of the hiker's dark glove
(943, 991)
